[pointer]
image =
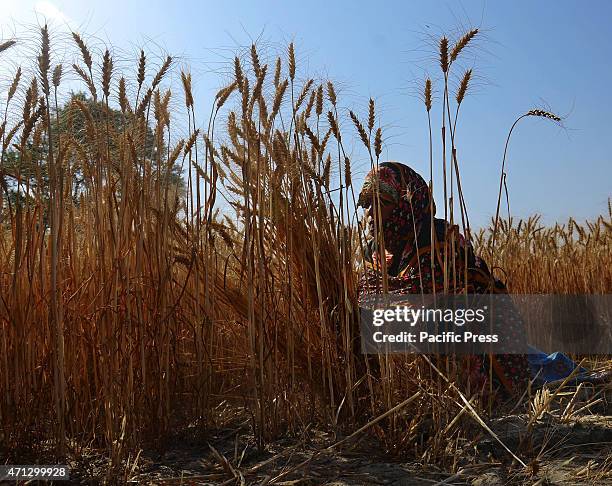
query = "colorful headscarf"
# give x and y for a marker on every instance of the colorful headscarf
(401, 187)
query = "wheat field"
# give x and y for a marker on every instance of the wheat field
(151, 276)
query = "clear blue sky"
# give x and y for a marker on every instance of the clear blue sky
(531, 54)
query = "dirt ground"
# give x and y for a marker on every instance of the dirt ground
(558, 449)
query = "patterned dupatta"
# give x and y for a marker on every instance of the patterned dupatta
(407, 238)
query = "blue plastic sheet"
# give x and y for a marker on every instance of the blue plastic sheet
(546, 368)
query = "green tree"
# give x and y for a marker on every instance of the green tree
(25, 172)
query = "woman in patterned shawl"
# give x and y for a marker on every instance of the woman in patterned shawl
(405, 216)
